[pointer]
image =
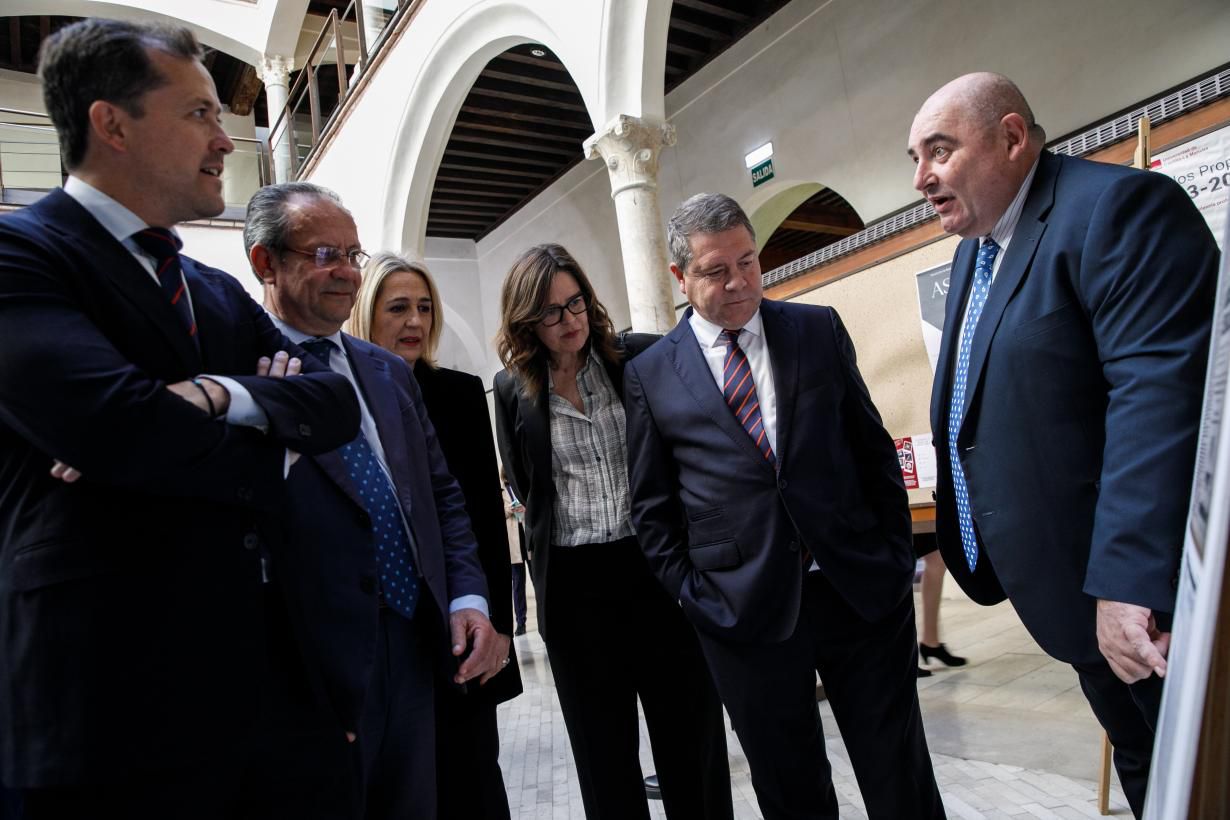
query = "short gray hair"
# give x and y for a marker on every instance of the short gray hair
(702, 213)
(267, 221)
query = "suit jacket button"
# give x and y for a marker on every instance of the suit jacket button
(251, 541)
(367, 585)
(244, 493)
(793, 546)
(781, 484)
(305, 430)
(1174, 582)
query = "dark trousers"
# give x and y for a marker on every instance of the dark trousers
(10, 804)
(396, 748)
(518, 593)
(298, 763)
(1128, 713)
(868, 671)
(615, 635)
(471, 786)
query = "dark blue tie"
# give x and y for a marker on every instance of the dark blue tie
(739, 390)
(397, 576)
(979, 289)
(164, 246)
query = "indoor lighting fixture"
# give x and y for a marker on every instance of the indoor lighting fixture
(759, 155)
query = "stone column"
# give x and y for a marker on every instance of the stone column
(630, 147)
(275, 74)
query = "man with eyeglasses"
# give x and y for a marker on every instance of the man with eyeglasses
(381, 572)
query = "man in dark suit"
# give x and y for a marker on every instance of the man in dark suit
(380, 567)
(769, 501)
(1067, 394)
(132, 629)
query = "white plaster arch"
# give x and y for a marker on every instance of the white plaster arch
(444, 79)
(633, 59)
(771, 203)
(239, 29)
(456, 325)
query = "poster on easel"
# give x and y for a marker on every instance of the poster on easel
(1202, 167)
(1200, 581)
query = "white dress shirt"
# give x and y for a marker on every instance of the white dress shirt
(751, 340)
(339, 362)
(1002, 234)
(122, 223)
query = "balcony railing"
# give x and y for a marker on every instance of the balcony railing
(30, 162)
(343, 51)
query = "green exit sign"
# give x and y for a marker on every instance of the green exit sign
(762, 173)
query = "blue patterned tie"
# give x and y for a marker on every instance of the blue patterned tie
(397, 576)
(978, 298)
(739, 390)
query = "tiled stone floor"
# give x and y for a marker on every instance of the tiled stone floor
(1010, 734)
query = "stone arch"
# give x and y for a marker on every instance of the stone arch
(239, 31)
(633, 59)
(797, 218)
(437, 92)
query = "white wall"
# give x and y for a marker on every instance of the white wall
(221, 246)
(833, 84)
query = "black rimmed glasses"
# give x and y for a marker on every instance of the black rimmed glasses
(327, 256)
(555, 314)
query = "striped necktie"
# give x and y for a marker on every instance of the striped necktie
(164, 246)
(739, 390)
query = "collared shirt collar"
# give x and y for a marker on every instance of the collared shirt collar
(1006, 226)
(115, 218)
(583, 370)
(299, 337)
(710, 335)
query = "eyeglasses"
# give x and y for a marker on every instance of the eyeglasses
(327, 256)
(555, 314)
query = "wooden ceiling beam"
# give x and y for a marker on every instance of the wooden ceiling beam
(465, 135)
(817, 227)
(714, 9)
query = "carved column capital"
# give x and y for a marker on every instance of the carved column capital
(630, 147)
(274, 69)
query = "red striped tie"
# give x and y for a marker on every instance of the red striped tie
(164, 246)
(739, 388)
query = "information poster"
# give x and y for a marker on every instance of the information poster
(917, 457)
(1202, 167)
(932, 296)
(1200, 583)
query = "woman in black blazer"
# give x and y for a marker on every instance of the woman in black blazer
(398, 308)
(612, 633)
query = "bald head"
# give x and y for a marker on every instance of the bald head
(974, 142)
(985, 98)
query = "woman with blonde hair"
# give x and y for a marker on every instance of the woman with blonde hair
(398, 308)
(612, 633)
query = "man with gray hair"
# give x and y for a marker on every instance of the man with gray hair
(1067, 393)
(381, 567)
(768, 499)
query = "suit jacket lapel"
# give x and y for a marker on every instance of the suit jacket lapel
(782, 340)
(77, 227)
(692, 369)
(1020, 253)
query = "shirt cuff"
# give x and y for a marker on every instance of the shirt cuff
(469, 602)
(243, 410)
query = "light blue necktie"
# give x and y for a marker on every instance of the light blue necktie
(397, 576)
(978, 298)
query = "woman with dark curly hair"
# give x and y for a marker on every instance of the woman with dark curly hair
(611, 632)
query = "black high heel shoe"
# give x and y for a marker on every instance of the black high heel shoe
(941, 654)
